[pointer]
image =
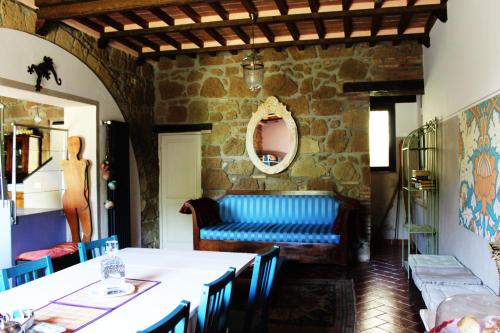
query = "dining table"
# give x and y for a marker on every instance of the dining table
(161, 279)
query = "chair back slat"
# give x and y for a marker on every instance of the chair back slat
(261, 286)
(95, 248)
(25, 272)
(214, 305)
(175, 322)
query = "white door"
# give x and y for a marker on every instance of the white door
(180, 180)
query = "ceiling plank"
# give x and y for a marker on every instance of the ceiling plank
(91, 24)
(294, 31)
(282, 6)
(267, 32)
(217, 7)
(300, 43)
(195, 40)
(143, 40)
(238, 23)
(162, 16)
(169, 40)
(191, 13)
(65, 10)
(314, 5)
(250, 7)
(217, 36)
(136, 19)
(241, 34)
(111, 22)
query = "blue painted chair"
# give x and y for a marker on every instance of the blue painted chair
(175, 322)
(214, 305)
(96, 248)
(26, 272)
(261, 286)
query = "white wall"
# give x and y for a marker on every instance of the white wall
(461, 68)
(406, 118)
(86, 88)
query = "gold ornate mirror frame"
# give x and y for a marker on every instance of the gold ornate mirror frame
(272, 105)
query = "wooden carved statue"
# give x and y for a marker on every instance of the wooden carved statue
(76, 195)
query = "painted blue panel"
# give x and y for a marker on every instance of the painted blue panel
(38, 231)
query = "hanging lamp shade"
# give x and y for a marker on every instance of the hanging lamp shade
(253, 71)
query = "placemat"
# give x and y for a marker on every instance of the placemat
(83, 306)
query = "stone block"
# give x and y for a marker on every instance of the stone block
(279, 85)
(352, 69)
(307, 167)
(279, 184)
(213, 87)
(234, 147)
(318, 127)
(198, 111)
(327, 107)
(248, 184)
(176, 114)
(337, 141)
(344, 172)
(308, 146)
(215, 179)
(241, 167)
(170, 89)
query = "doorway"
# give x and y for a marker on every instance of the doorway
(180, 180)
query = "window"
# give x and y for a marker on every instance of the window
(382, 137)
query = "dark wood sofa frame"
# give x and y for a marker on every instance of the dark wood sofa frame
(320, 253)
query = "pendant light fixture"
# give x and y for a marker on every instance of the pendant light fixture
(253, 67)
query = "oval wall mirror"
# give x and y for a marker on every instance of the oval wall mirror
(271, 139)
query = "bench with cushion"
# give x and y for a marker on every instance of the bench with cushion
(310, 226)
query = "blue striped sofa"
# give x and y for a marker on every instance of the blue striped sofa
(309, 226)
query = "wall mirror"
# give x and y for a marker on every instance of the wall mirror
(271, 139)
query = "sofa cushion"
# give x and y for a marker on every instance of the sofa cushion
(279, 209)
(271, 232)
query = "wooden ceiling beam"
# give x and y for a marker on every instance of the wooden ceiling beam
(249, 7)
(130, 45)
(267, 32)
(65, 10)
(294, 31)
(217, 36)
(238, 23)
(111, 22)
(378, 3)
(191, 13)
(346, 5)
(91, 24)
(241, 34)
(282, 6)
(314, 5)
(134, 18)
(320, 28)
(162, 16)
(299, 44)
(375, 28)
(146, 42)
(192, 38)
(217, 7)
(169, 40)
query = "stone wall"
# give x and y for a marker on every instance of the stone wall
(132, 88)
(333, 126)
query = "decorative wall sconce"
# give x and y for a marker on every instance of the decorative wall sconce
(43, 71)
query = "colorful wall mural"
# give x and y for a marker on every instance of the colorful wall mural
(479, 158)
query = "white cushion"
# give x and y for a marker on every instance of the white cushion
(436, 261)
(433, 295)
(444, 276)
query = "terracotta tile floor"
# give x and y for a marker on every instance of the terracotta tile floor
(382, 295)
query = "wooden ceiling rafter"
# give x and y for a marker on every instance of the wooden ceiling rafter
(160, 14)
(155, 28)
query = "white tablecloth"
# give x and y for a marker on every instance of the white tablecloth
(182, 274)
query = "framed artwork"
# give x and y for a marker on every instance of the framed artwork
(479, 159)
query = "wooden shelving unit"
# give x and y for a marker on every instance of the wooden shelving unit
(419, 153)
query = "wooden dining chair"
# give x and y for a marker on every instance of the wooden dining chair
(25, 272)
(263, 276)
(214, 305)
(175, 322)
(95, 248)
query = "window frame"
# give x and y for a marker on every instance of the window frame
(375, 106)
